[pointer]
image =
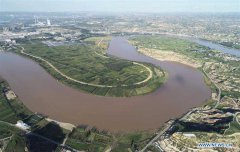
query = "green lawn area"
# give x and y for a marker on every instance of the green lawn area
(17, 142)
(81, 63)
(165, 43)
(234, 128)
(134, 141)
(100, 42)
(89, 140)
(6, 130)
(93, 140)
(34, 120)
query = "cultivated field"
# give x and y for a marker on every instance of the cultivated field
(88, 69)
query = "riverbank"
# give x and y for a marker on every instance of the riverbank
(122, 78)
(44, 94)
(169, 56)
(225, 47)
(222, 68)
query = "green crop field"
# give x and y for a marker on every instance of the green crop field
(16, 143)
(89, 140)
(81, 62)
(234, 127)
(165, 43)
(134, 141)
(94, 140)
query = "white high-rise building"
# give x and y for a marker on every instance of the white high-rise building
(48, 22)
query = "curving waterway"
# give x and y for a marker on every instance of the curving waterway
(216, 46)
(40, 92)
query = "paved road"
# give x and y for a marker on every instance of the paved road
(5, 138)
(156, 137)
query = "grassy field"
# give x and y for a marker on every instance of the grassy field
(133, 141)
(234, 128)
(16, 143)
(92, 140)
(101, 43)
(165, 43)
(82, 63)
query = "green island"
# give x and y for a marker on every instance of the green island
(86, 67)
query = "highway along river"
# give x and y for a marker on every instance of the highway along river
(40, 92)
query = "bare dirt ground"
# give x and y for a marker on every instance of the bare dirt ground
(64, 125)
(169, 56)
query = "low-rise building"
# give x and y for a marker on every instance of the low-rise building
(22, 125)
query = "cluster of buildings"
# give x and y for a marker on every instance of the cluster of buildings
(41, 24)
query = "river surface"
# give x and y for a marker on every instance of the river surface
(216, 46)
(210, 44)
(40, 92)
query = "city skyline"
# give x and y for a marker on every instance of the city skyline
(150, 6)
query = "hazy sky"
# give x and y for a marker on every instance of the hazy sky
(121, 5)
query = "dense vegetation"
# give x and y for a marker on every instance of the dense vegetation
(234, 127)
(165, 43)
(82, 63)
(230, 44)
(91, 139)
(17, 142)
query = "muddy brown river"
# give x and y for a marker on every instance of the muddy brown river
(40, 92)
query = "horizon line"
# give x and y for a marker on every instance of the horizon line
(118, 12)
